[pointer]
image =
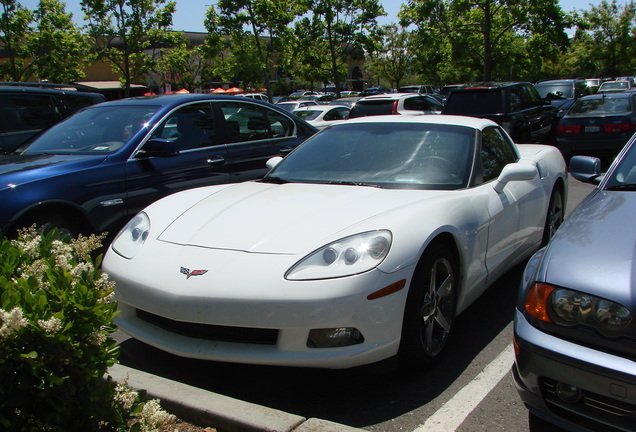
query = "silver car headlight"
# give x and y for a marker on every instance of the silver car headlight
(345, 257)
(133, 236)
(571, 308)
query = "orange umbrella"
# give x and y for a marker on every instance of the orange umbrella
(219, 90)
(234, 90)
(183, 91)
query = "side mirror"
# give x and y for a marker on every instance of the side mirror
(515, 172)
(271, 163)
(158, 147)
(586, 169)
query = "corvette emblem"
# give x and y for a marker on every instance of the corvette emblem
(188, 272)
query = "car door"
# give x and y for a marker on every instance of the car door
(200, 157)
(538, 117)
(509, 227)
(254, 133)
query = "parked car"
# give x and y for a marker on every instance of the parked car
(600, 123)
(295, 104)
(320, 99)
(257, 96)
(594, 83)
(563, 93)
(396, 103)
(95, 170)
(370, 91)
(363, 244)
(300, 93)
(614, 86)
(321, 116)
(444, 91)
(574, 320)
(345, 101)
(25, 111)
(515, 106)
(421, 89)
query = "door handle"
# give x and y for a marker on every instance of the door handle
(215, 160)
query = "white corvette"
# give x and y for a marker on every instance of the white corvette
(361, 245)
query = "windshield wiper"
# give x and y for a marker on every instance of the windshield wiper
(624, 187)
(353, 183)
(275, 180)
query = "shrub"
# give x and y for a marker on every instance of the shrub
(56, 318)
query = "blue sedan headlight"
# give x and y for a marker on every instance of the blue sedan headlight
(571, 308)
(132, 237)
(348, 256)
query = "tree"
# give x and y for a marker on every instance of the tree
(393, 59)
(58, 49)
(15, 24)
(611, 38)
(482, 30)
(129, 34)
(256, 29)
(344, 23)
(183, 66)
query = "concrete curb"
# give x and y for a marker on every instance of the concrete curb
(205, 408)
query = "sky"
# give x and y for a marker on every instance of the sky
(191, 13)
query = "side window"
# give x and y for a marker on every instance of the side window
(515, 99)
(251, 122)
(419, 104)
(191, 126)
(20, 112)
(531, 97)
(496, 152)
(72, 102)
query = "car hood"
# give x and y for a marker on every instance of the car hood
(19, 169)
(283, 219)
(594, 249)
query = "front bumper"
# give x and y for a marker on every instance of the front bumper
(258, 316)
(607, 383)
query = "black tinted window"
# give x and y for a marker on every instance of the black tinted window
(496, 153)
(20, 112)
(372, 108)
(477, 102)
(421, 104)
(191, 126)
(251, 122)
(72, 102)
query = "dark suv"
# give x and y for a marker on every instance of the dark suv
(25, 111)
(563, 93)
(515, 106)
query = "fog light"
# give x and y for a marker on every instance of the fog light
(334, 337)
(568, 393)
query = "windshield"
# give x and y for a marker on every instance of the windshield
(306, 114)
(97, 130)
(600, 106)
(387, 155)
(623, 177)
(555, 91)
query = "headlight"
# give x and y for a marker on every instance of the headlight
(349, 256)
(132, 237)
(573, 308)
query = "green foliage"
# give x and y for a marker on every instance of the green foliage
(56, 317)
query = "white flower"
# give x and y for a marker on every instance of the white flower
(52, 325)
(11, 321)
(152, 417)
(125, 396)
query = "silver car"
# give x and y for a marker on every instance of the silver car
(574, 328)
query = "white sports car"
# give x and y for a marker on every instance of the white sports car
(361, 245)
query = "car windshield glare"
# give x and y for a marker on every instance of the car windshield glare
(97, 130)
(601, 106)
(386, 155)
(557, 91)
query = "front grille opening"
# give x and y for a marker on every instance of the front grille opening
(594, 411)
(212, 332)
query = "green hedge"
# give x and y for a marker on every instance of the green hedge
(56, 318)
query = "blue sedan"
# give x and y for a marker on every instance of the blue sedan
(98, 168)
(574, 327)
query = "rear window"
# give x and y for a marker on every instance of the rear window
(555, 91)
(306, 114)
(372, 108)
(474, 102)
(601, 106)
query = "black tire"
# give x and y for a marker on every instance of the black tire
(429, 314)
(555, 215)
(46, 223)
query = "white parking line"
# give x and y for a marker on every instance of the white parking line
(453, 413)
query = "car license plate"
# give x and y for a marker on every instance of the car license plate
(592, 129)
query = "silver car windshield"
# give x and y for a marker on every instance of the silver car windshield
(97, 130)
(387, 155)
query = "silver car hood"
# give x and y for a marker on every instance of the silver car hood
(593, 251)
